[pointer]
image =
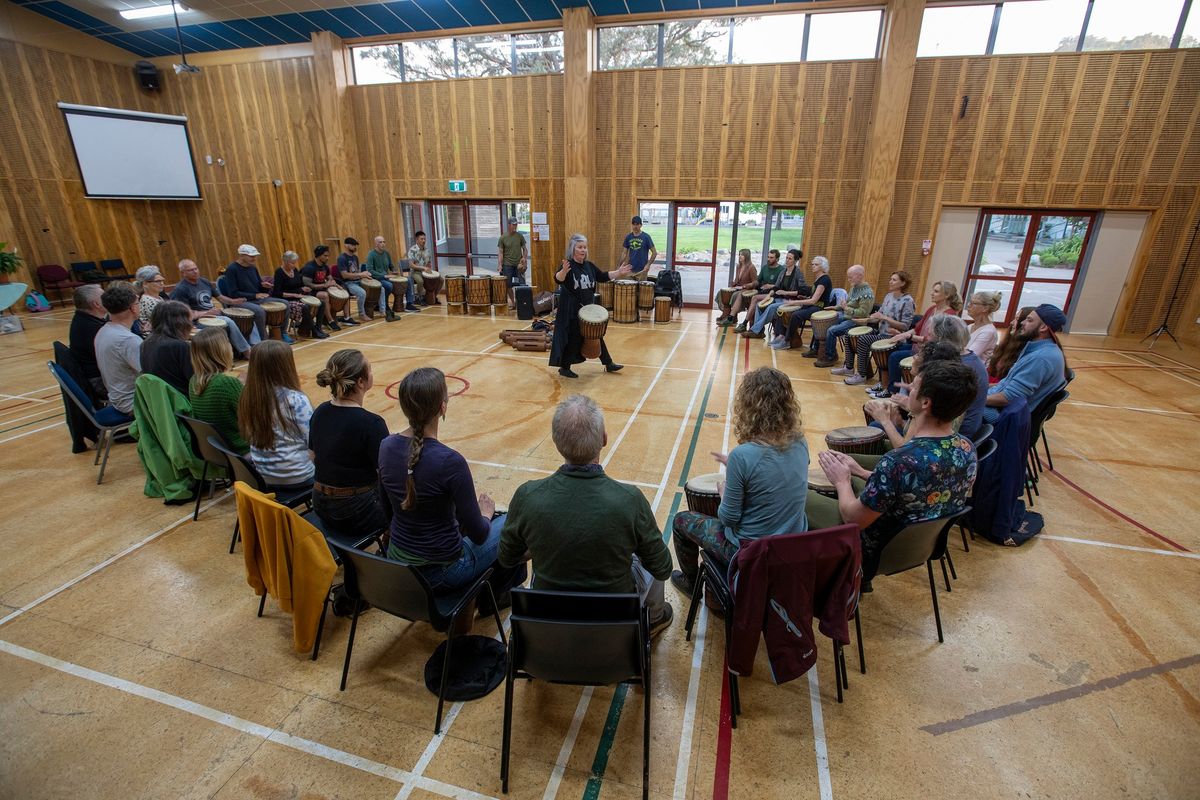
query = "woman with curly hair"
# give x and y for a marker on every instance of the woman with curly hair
(766, 478)
(438, 524)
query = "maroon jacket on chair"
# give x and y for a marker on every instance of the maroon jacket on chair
(779, 583)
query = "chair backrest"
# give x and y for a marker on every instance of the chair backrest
(74, 391)
(201, 432)
(83, 267)
(913, 546)
(389, 586)
(984, 451)
(1044, 411)
(52, 273)
(583, 638)
(241, 467)
(112, 265)
(983, 434)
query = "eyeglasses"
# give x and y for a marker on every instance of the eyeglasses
(159, 279)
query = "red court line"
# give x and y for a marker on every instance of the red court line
(1112, 510)
(746, 368)
(724, 730)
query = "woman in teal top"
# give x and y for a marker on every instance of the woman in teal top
(766, 478)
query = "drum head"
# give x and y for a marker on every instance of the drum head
(593, 314)
(268, 305)
(234, 311)
(211, 322)
(860, 330)
(704, 484)
(822, 315)
(748, 293)
(338, 292)
(883, 344)
(856, 433)
(370, 283)
(626, 283)
(433, 273)
(311, 301)
(906, 363)
(766, 301)
(817, 479)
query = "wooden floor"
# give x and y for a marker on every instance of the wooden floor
(134, 666)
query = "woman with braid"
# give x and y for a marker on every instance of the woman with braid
(344, 439)
(438, 524)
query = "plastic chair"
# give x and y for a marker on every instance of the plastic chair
(82, 269)
(53, 278)
(1037, 420)
(915, 545)
(242, 470)
(984, 433)
(580, 638)
(201, 432)
(108, 420)
(114, 268)
(401, 591)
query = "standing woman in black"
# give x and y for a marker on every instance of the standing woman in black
(578, 278)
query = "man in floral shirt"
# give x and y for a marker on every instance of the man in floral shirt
(928, 477)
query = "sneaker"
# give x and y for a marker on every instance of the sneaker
(412, 308)
(333, 325)
(659, 625)
(729, 321)
(879, 394)
(809, 353)
(567, 373)
(389, 315)
(876, 387)
(741, 328)
(841, 371)
(363, 320)
(824, 362)
(855, 380)
(780, 344)
(682, 582)
(319, 334)
(287, 339)
(614, 367)
(753, 335)
(348, 321)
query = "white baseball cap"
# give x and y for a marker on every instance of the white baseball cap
(247, 250)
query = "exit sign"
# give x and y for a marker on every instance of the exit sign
(457, 186)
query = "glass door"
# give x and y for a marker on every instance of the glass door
(450, 254)
(694, 249)
(785, 231)
(412, 219)
(486, 228)
(1029, 258)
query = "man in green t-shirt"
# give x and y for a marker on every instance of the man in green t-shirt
(514, 255)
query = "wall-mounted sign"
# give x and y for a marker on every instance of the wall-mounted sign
(457, 186)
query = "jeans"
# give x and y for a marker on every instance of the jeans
(357, 514)
(899, 354)
(358, 293)
(765, 315)
(260, 317)
(835, 333)
(384, 294)
(448, 580)
(237, 340)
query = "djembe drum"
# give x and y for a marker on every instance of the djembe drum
(852, 344)
(860, 439)
(725, 297)
(821, 322)
(499, 293)
(702, 495)
(479, 294)
(593, 322)
(399, 293)
(662, 309)
(338, 298)
(785, 319)
(276, 311)
(625, 302)
(880, 352)
(312, 307)
(606, 294)
(433, 284)
(210, 322)
(645, 295)
(372, 287)
(819, 482)
(906, 369)
(243, 318)
(456, 294)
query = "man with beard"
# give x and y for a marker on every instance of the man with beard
(1041, 367)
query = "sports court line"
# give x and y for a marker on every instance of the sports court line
(814, 701)
(30, 433)
(37, 413)
(724, 738)
(1115, 512)
(1053, 698)
(1163, 370)
(1116, 546)
(110, 560)
(612, 451)
(267, 734)
(1131, 408)
(33, 422)
(23, 397)
(564, 752)
(514, 356)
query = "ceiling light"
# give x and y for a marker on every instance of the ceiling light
(153, 11)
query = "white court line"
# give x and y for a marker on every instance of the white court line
(39, 413)
(22, 397)
(564, 752)
(814, 698)
(267, 734)
(490, 347)
(1131, 408)
(612, 451)
(30, 433)
(1158, 368)
(510, 356)
(1154, 550)
(36, 391)
(137, 545)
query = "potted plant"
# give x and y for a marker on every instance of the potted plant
(9, 262)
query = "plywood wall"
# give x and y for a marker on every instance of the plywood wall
(260, 118)
(788, 133)
(504, 136)
(1086, 131)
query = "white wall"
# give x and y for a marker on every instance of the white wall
(1112, 248)
(951, 251)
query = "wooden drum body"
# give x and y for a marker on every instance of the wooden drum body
(785, 318)
(593, 322)
(725, 297)
(662, 309)
(276, 311)
(821, 322)
(645, 295)
(479, 294)
(852, 338)
(372, 287)
(312, 307)
(860, 439)
(243, 318)
(880, 352)
(819, 482)
(702, 495)
(499, 292)
(433, 284)
(906, 369)
(625, 302)
(399, 293)
(606, 294)
(338, 298)
(456, 294)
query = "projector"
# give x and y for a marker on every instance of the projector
(185, 67)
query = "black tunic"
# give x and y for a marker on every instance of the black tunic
(577, 291)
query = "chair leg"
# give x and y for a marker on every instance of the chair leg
(845, 672)
(350, 643)
(262, 603)
(735, 699)
(236, 535)
(437, 723)
(1046, 444)
(108, 441)
(837, 671)
(506, 735)
(321, 626)
(646, 735)
(963, 530)
(496, 612)
(946, 577)
(937, 615)
(1037, 460)
(100, 446)
(862, 656)
(199, 492)
(694, 606)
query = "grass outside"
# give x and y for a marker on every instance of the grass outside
(693, 238)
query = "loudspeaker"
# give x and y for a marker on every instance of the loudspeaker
(147, 75)
(524, 298)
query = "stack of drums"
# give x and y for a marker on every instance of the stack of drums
(880, 352)
(433, 284)
(606, 295)
(243, 318)
(625, 302)
(277, 311)
(821, 322)
(499, 294)
(399, 293)
(479, 294)
(312, 307)
(645, 295)
(662, 309)
(702, 495)
(860, 439)
(456, 294)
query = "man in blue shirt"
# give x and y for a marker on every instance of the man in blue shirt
(639, 251)
(242, 282)
(1039, 370)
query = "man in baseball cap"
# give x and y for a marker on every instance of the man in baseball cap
(242, 282)
(1041, 367)
(638, 249)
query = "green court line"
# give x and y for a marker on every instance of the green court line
(604, 747)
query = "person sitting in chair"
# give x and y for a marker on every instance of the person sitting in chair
(584, 531)
(1039, 370)
(929, 477)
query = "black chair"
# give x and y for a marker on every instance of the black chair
(108, 420)
(240, 469)
(1037, 421)
(114, 268)
(984, 449)
(915, 545)
(401, 591)
(580, 638)
(983, 434)
(201, 432)
(88, 272)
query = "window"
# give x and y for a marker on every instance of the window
(462, 57)
(432, 59)
(1044, 26)
(628, 47)
(538, 52)
(1191, 31)
(768, 40)
(377, 64)
(852, 34)
(693, 42)
(483, 56)
(955, 31)
(1125, 25)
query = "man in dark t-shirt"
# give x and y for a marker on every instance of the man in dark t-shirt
(89, 318)
(639, 252)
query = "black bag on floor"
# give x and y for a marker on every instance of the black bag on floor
(524, 299)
